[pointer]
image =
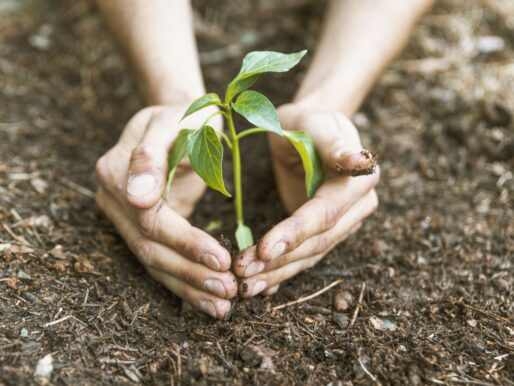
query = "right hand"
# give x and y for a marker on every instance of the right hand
(132, 176)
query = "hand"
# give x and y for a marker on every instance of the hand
(337, 209)
(132, 175)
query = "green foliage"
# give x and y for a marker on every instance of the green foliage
(204, 101)
(311, 163)
(177, 152)
(257, 63)
(206, 156)
(204, 147)
(258, 109)
(244, 237)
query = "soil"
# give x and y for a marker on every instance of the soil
(437, 259)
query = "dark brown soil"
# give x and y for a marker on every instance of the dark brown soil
(437, 259)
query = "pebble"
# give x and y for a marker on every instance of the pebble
(342, 300)
(44, 370)
(489, 44)
(341, 320)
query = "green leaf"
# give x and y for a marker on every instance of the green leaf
(238, 85)
(204, 101)
(206, 155)
(258, 109)
(259, 62)
(244, 236)
(177, 152)
(311, 163)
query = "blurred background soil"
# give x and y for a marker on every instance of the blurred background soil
(437, 258)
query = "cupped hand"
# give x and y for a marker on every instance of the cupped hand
(132, 176)
(315, 226)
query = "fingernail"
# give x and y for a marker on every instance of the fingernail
(141, 184)
(254, 268)
(208, 307)
(258, 287)
(215, 287)
(277, 251)
(211, 261)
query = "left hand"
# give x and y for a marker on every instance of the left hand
(315, 226)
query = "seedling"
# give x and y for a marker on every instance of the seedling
(205, 150)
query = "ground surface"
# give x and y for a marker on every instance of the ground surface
(437, 259)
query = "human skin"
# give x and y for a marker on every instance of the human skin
(158, 39)
(359, 39)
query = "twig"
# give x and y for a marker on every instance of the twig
(306, 298)
(19, 239)
(497, 317)
(373, 378)
(356, 312)
(76, 187)
(57, 321)
(179, 363)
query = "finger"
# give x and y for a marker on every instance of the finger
(317, 215)
(339, 145)
(148, 162)
(323, 242)
(257, 284)
(211, 305)
(161, 223)
(157, 256)
(271, 291)
(247, 264)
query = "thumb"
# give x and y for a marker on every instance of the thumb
(340, 147)
(148, 164)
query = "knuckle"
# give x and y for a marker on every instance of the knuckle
(101, 169)
(147, 223)
(230, 283)
(330, 215)
(296, 224)
(322, 243)
(141, 153)
(145, 251)
(187, 275)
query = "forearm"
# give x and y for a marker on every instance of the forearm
(158, 38)
(359, 39)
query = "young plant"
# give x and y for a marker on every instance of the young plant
(204, 147)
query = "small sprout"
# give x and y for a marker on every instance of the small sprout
(204, 146)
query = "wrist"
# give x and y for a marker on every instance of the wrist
(173, 93)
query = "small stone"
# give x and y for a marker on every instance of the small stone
(39, 185)
(382, 324)
(313, 310)
(377, 323)
(489, 44)
(389, 325)
(12, 282)
(341, 320)
(44, 370)
(342, 300)
(22, 275)
(472, 322)
(421, 260)
(30, 346)
(257, 356)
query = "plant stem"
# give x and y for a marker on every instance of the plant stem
(236, 160)
(251, 131)
(226, 139)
